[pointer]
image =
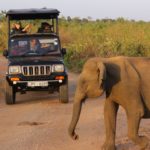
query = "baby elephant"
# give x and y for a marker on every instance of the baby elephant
(126, 81)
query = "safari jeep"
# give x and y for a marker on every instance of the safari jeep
(38, 70)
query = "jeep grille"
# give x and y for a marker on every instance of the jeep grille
(36, 70)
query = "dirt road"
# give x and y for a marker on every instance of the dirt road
(39, 122)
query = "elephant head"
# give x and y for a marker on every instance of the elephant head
(91, 83)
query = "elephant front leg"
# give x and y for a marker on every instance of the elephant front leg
(110, 114)
(133, 127)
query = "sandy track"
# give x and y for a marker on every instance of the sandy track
(39, 122)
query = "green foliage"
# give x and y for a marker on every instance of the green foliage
(85, 38)
(3, 34)
(105, 38)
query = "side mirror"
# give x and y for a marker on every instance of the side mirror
(5, 53)
(63, 50)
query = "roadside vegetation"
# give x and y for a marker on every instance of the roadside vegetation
(85, 38)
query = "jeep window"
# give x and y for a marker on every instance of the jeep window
(26, 46)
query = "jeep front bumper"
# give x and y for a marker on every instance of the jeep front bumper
(21, 83)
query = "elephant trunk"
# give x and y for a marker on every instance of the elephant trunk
(79, 98)
(75, 117)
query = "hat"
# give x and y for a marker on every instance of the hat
(43, 24)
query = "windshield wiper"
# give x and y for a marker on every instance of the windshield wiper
(29, 54)
(46, 52)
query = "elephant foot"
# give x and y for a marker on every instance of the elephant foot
(143, 142)
(108, 146)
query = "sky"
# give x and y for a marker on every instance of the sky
(96, 9)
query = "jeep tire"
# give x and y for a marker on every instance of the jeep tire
(10, 94)
(63, 93)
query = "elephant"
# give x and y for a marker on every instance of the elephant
(125, 82)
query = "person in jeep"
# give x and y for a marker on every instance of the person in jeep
(17, 28)
(34, 45)
(45, 28)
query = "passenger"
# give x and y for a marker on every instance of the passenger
(45, 28)
(34, 45)
(17, 28)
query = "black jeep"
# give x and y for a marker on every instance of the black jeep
(35, 59)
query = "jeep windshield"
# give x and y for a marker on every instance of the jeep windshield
(33, 46)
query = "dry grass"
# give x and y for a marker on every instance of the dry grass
(105, 38)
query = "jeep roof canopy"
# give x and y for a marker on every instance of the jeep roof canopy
(31, 14)
(22, 14)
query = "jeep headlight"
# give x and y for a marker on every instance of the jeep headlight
(14, 69)
(58, 68)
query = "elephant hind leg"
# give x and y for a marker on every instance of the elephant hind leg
(133, 127)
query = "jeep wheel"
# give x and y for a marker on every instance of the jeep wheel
(10, 94)
(63, 93)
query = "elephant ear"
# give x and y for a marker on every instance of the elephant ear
(102, 74)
